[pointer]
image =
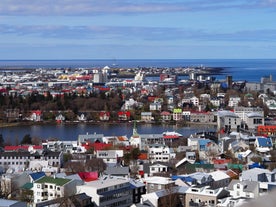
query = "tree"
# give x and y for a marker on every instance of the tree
(73, 167)
(95, 164)
(27, 139)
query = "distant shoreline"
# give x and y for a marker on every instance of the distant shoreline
(15, 124)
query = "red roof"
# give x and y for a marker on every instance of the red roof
(104, 113)
(121, 113)
(88, 176)
(37, 112)
(170, 137)
(23, 147)
(97, 146)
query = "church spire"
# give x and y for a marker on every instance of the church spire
(134, 132)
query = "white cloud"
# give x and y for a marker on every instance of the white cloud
(97, 7)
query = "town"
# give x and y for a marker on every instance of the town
(232, 165)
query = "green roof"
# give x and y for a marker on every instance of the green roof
(177, 110)
(28, 186)
(56, 181)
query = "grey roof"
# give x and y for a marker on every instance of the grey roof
(117, 170)
(7, 203)
(93, 137)
(227, 113)
(254, 114)
(250, 186)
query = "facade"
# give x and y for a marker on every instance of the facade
(160, 152)
(244, 189)
(156, 183)
(110, 156)
(234, 101)
(202, 117)
(49, 188)
(228, 120)
(146, 116)
(165, 116)
(63, 146)
(108, 191)
(204, 196)
(19, 161)
(177, 114)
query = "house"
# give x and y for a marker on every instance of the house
(78, 200)
(253, 120)
(11, 182)
(177, 114)
(139, 189)
(108, 190)
(202, 117)
(91, 138)
(228, 120)
(104, 115)
(156, 106)
(60, 118)
(263, 144)
(110, 157)
(159, 168)
(62, 146)
(82, 117)
(18, 161)
(266, 130)
(156, 183)
(123, 115)
(166, 116)
(220, 179)
(160, 152)
(147, 116)
(244, 189)
(49, 188)
(258, 174)
(36, 116)
(173, 196)
(204, 196)
(233, 101)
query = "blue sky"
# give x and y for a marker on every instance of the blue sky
(141, 29)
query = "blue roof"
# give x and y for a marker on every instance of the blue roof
(37, 175)
(256, 165)
(183, 178)
(264, 142)
(204, 141)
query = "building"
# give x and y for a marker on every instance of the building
(49, 188)
(160, 152)
(156, 183)
(110, 156)
(20, 161)
(108, 191)
(228, 120)
(204, 196)
(244, 189)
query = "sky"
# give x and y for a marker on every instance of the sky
(141, 29)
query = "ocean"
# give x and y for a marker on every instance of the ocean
(250, 70)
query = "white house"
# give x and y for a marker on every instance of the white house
(244, 189)
(108, 191)
(160, 152)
